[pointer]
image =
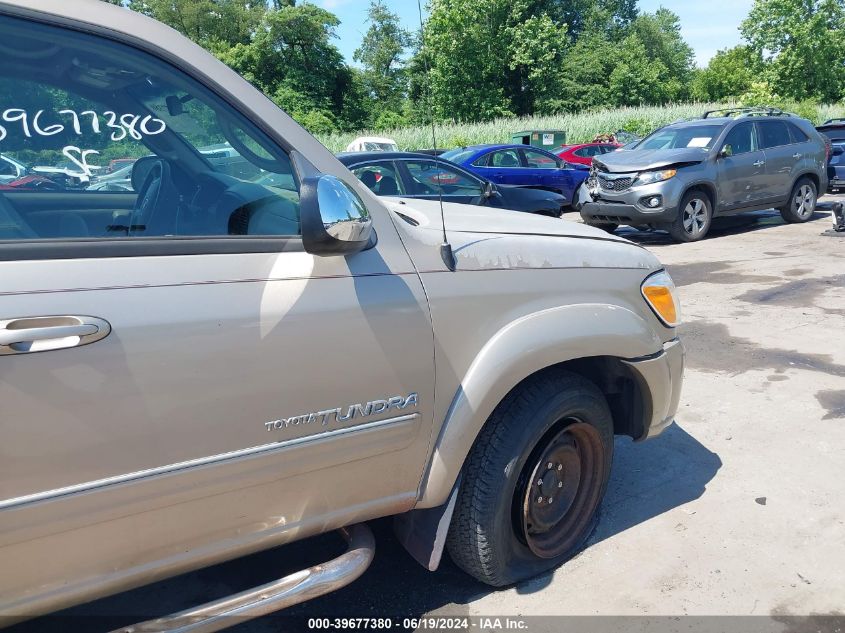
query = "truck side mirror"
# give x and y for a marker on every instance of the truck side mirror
(333, 217)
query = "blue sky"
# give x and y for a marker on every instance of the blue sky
(707, 26)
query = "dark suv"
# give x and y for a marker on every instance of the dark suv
(834, 131)
(728, 161)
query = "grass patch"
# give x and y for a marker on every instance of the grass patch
(579, 128)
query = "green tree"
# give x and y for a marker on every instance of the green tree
(381, 55)
(646, 62)
(668, 55)
(636, 79)
(463, 65)
(585, 73)
(284, 49)
(580, 16)
(291, 58)
(490, 58)
(803, 43)
(730, 73)
(536, 46)
(215, 24)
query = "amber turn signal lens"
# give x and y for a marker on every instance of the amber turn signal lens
(660, 293)
(661, 300)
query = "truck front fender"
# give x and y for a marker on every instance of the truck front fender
(520, 349)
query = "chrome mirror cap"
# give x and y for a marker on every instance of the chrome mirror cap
(344, 215)
(335, 220)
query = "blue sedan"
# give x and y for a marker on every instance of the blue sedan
(521, 166)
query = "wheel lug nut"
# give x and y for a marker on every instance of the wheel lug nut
(560, 484)
(560, 466)
(539, 482)
(550, 465)
(539, 499)
(551, 499)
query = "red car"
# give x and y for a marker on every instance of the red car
(31, 181)
(583, 153)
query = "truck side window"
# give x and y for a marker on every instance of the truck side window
(120, 144)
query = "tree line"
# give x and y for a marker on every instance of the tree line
(474, 60)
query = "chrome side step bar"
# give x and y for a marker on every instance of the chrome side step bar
(292, 589)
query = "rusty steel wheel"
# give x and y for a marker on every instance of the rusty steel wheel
(533, 481)
(560, 489)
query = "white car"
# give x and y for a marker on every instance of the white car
(372, 144)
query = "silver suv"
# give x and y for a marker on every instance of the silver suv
(683, 175)
(246, 346)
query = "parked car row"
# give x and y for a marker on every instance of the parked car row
(678, 178)
(426, 177)
(512, 177)
(16, 175)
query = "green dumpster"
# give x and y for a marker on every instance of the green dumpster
(547, 139)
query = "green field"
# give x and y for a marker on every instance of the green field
(579, 127)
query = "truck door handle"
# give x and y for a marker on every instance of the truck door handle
(40, 334)
(796, 156)
(759, 163)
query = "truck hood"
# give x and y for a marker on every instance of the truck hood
(484, 239)
(466, 218)
(646, 159)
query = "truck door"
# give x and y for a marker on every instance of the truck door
(180, 380)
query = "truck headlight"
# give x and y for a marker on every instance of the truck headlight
(651, 177)
(661, 295)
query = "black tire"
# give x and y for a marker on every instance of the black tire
(604, 226)
(802, 202)
(695, 216)
(555, 416)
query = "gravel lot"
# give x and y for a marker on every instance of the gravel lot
(738, 509)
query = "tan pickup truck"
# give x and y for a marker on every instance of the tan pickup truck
(236, 345)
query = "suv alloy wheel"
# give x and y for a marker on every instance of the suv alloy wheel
(802, 202)
(694, 218)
